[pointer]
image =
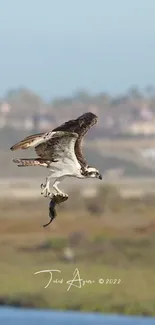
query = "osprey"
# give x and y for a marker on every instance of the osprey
(60, 151)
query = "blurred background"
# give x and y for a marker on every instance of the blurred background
(59, 59)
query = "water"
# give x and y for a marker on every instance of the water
(17, 316)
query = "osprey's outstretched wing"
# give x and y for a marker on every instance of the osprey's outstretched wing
(59, 147)
(44, 143)
(81, 125)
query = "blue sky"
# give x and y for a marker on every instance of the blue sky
(55, 47)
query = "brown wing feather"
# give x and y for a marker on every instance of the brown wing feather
(55, 148)
(25, 143)
(81, 125)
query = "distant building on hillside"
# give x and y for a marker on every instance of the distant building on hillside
(142, 128)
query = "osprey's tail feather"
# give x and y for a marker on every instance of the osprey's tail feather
(31, 162)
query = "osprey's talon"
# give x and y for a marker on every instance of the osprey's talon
(45, 190)
(59, 197)
(65, 195)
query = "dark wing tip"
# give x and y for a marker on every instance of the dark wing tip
(79, 125)
(88, 119)
(14, 147)
(89, 115)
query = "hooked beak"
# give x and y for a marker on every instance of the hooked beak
(100, 177)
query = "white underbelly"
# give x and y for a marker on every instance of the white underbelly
(68, 168)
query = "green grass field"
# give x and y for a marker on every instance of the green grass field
(116, 245)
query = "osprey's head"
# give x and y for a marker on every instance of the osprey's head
(92, 172)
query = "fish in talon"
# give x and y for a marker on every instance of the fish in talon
(52, 211)
(56, 199)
